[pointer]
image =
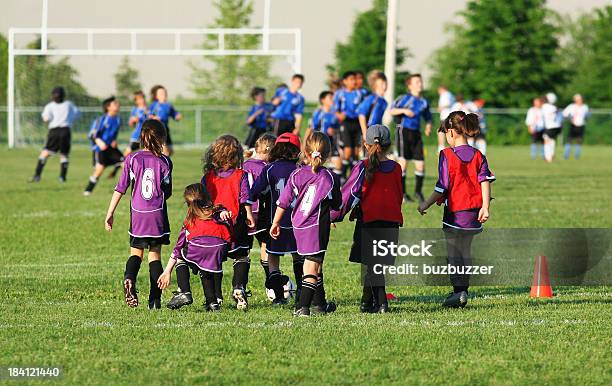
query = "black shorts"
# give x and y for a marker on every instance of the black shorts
(135, 145)
(351, 133)
(409, 144)
(148, 242)
(168, 137)
(335, 147)
(362, 239)
(58, 140)
(552, 133)
(109, 157)
(262, 237)
(576, 132)
(282, 126)
(253, 136)
(537, 137)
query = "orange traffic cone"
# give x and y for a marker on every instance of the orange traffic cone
(540, 287)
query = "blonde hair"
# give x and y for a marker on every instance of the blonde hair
(225, 153)
(199, 203)
(263, 145)
(318, 149)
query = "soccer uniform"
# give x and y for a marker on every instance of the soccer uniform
(323, 121)
(107, 129)
(552, 120)
(408, 138)
(445, 103)
(347, 102)
(535, 119)
(253, 168)
(260, 125)
(164, 111)
(310, 197)
(272, 181)
(141, 114)
(372, 108)
(577, 115)
(151, 180)
(284, 115)
(60, 117)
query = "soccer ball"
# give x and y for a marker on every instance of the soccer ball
(289, 288)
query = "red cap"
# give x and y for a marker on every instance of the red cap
(289, 137)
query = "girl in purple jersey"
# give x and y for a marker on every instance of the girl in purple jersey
(271, 182)
(253, 166)
(464, 188)
(149, 173)
(311, 192)
(202, 243)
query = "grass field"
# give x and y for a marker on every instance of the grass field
(62, 303)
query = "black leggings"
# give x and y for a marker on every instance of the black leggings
(458, 246)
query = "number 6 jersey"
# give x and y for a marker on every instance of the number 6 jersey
(151, 180)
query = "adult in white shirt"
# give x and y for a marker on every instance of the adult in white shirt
(577, 113)
(445, 102)
(552, 126)
(59, 114)
(535, 126)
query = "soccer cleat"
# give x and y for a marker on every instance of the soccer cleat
(382, 309)
(155, 304)
(34, 179)
(61, 179)
(456, 300)
(220, 301)
(407, 198)
(279, 302)
(179, 300)
(240, 297)
(87, 193)
(212, 307)
(327, 309)
(129, 291)
(302, 312)
(419, 196)
(365, 308)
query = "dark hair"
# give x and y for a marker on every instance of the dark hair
(409, 78)
(154, 91)
(138, 93)
(256, 91)
(299, 76)
(199, 203)
(281, 85)
(360, 73)
(284, 151)
(347, 74)
(153, 136)
(462, 123)
(324, 95)
(58, 94)
(459, 97)
(223, 154)
(373, 161)
(107, 102)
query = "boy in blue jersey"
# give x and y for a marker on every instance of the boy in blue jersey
(359, 79)
(373, 107)
(346, 101)
(138, 115)
(324, 119)
(258, 116)
(104, 133)
(289, 107)
(411, 108)
(162, 110)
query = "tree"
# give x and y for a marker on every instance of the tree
(505, 52)
(586, 57)
(3, 69)
(231, 77)
(126, 81)
(365, 48)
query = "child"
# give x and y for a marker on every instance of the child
(373, 107)
(535, 126)
(258, 116)
(445, 102)
(203, 242)
(260, 208)
(359, 80)
(311, 191)
(464, 185)
(577, 113)
(272, 181)
(289, 107)
(324, 120)
(149, 172)
(480, 140)
(553, 119)
(373, 194)
(346, 101)
(137, 117)
(60, 114)
(161, 109)
(103, 134)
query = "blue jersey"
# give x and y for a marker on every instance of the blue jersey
(364, 92)
(373, 108)
(418, 105)
(322, 121)
(164, 111)
(290, 104)
(261, 122)
(141, 114)
(105, 128)
(347, 102)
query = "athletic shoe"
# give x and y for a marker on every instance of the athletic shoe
(456, 299)
(220, 301)
(212, 307)
(179, 300)
(240, 297)
(302, 312)
(155, 304)
(61, 179)
(407, 198)
(419, 196)
(279, 302)
(87, 193)
(327, 309)
(129, 291)
(34, 179)
(382, 309)
(365, 308)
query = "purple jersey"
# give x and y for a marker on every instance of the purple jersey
(311, 195)
(151, 180)
(272, 181)
(465, 219)
(206, 252)
(253, 168)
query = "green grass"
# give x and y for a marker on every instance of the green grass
(62, 302)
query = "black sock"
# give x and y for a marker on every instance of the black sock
(63, 170)
(218, 284)
(404, 182)
(275, 283)
(182, 277)
(115, 170)
(39, 167)
(308, 291)
(155, 271)
(266, 267)
(418, 185)
(92, 184)
(367, 297)
(319, 296)
(208, 285)
(298, 270)
(381, 295)
(457, 289)
(132, 266)
(241, 274)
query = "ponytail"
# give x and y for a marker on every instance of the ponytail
(318, 148)
(199, 203)
(462, 123)
(373, 161)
